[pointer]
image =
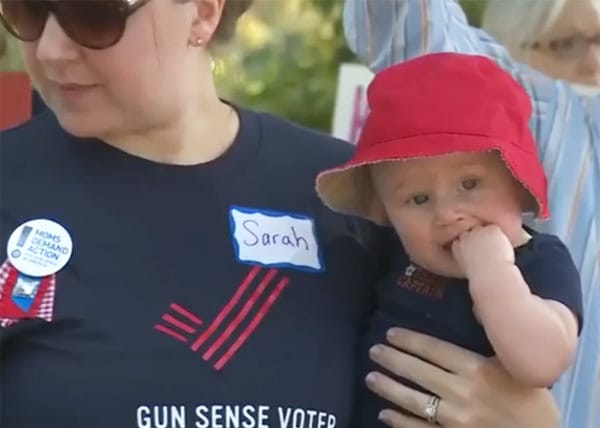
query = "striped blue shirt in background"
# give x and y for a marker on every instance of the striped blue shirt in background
(567, 130)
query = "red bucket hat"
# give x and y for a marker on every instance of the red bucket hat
(434, 105)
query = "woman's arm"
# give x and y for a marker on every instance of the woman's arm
(474, 391)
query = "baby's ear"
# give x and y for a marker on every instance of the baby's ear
(528, 202)
(372, 204)
(377, 212)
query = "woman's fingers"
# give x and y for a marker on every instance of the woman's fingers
(474, 391)
(414, 369)
(443, 354)
(397, 420)
(403, 396)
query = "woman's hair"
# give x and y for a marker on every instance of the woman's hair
(514, 22)
(232, 11)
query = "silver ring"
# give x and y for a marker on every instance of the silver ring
(430, 410)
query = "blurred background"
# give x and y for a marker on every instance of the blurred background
(284, 59)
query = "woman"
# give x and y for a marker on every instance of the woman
(167, 263)
(561, 38)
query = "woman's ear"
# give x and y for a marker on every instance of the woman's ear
(206, 21)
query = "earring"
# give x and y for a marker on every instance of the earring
(199, 41)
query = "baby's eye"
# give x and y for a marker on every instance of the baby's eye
(469, 184)
(419, 199)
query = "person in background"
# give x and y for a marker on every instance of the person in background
(165, 260)
(560, 38)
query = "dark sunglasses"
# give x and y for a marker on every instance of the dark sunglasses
(94, 24)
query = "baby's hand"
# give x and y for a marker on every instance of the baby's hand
(482, 250)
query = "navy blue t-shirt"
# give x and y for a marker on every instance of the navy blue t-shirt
(413, 298)
(215, 295)
(37, 104)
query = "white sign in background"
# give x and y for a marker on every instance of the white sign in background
(351, 106)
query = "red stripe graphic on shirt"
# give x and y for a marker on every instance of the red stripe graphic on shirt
(264, 309)
(241, 315)
(170, 332)
(185, 313)
(227, 308)
(185, 325)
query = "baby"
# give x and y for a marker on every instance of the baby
(446, 158)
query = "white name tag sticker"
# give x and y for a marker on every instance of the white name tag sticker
(275, 239)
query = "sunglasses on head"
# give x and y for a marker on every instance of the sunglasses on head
(94, 24)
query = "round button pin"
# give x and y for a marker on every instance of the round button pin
(39, 247)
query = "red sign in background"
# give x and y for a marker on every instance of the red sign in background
(15, 99)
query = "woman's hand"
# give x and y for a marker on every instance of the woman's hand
(474, 391)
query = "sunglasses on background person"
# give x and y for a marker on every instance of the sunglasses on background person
(94, 24)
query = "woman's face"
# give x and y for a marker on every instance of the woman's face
(138, 84)
(571, 49)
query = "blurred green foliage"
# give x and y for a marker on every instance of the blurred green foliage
(284, 60)
(10, 59)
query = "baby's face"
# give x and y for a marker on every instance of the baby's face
(431, 201)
